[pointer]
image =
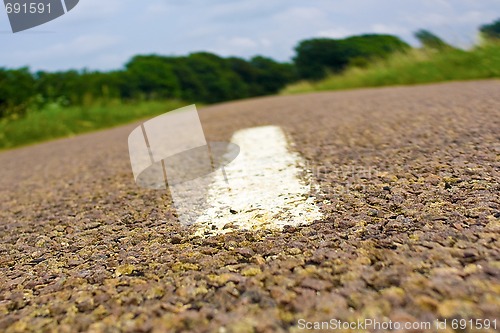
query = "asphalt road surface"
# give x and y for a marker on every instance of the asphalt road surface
(408, 184)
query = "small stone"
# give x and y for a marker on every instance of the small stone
(184, 267)
(290, 229)
(35, 262)
(155, 293)
(259, 260)
(427, 303)
(251, 271)
(316, 284)
(294, 251)
(223, 279)
(456, 308)
(125, 270)
(471, 269)
(433, 179)
(245, 252)
(395, 295)
(100, 311)
(176, 240)
(84, 302)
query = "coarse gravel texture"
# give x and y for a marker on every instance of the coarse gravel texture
(408, 184)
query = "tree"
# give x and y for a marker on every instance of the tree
(198, 77)
(152, 77)
(218, 81)
(430, 40)
(17, 90)
(316, 57)
(271, 76)
(492, 30)
(247, 73)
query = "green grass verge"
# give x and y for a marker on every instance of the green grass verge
(55, 121)
(414, 67)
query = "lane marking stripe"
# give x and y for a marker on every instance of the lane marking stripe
(265, 187)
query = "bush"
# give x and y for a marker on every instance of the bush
(430, 40)
(492, 30)
(317, 57)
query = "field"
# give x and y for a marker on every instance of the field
(415, 67)
(55, 121)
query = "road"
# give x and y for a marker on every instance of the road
(407, 182)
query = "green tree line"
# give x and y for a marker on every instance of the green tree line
(315, 58)
(199, 77)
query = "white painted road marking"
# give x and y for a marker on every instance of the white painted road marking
(266, 187)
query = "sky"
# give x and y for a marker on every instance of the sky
(105, 34)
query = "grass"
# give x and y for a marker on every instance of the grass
(414, 67)
(55, 121)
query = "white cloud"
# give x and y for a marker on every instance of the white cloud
(82, 45)
(335, 33)
(451, 19)
(110, 59)
(240, 46)
(476, 17)
(438, 3)
(265, 42)
(380, 28)
(96, 9)
(156, 8)
(300, 15)
(242, 43)
(239, 8)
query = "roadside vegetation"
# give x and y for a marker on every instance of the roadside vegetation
(37, 106)
(416, 66)
(54, 121)
(434, 61)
